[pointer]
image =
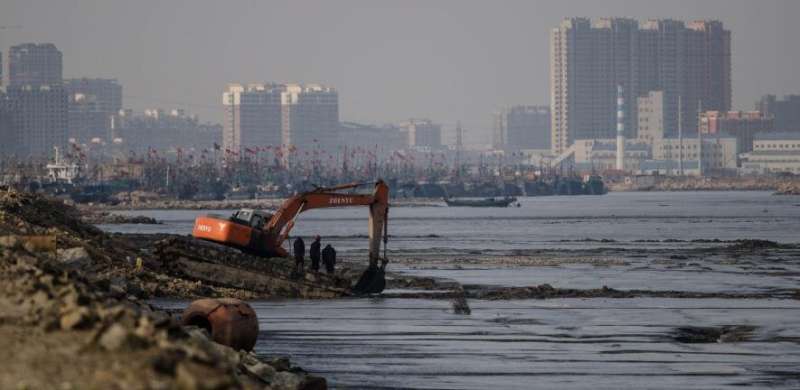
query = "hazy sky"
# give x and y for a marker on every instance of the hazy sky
(390, 60)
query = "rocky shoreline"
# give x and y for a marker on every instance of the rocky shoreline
(694, 183)
(791, 188)
(74, 315)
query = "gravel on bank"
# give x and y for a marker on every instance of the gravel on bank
(72, 315)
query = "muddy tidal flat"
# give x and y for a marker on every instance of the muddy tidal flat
(628, 290)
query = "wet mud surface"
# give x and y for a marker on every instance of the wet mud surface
(559, 343)
(695, 291)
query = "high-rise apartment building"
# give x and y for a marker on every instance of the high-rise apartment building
(422, 133)
(8, 133)
(92, 104)
(40, 117)
(588, 60)
(587, 63)
(522, 127)
(499, 129)
(252, 116)
(87, 119)
(708, 68)
(310, 117)
(303, 117)
(786, 112)
(34, 64)
(107, 92)
(662, 67)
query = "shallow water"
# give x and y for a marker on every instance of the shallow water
(558, 343)
(544, 222)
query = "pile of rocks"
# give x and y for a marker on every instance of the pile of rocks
(788, 188)
(124, 342)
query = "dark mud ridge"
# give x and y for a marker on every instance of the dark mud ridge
(546, 291)
(437, 288)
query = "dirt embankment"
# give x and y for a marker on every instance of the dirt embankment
(105, 217)
(151, 266)
(64, 325)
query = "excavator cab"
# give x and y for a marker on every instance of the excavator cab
(253, 218)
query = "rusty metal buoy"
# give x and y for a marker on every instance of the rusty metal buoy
(230, 321)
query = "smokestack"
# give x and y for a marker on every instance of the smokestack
(620, 129)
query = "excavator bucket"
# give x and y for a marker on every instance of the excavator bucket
(372, 281)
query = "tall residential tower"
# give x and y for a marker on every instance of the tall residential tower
(305, 117)
(588, 60)
(34, 64)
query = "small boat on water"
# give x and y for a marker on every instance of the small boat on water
(486, 202)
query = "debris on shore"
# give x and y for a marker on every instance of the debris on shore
(788, 188)
(87, 335)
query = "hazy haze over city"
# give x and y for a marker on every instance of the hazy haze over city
(446, 60)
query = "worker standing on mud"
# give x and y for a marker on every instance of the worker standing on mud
(329, 258)
(299, 253)
(314, 252)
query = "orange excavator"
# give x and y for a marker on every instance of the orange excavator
(261, 233)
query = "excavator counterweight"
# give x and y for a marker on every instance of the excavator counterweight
(263, 234)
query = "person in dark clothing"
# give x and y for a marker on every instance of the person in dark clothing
(299, 254)
(329, 258)
(314, 253)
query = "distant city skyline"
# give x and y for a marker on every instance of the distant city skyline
(447, 61)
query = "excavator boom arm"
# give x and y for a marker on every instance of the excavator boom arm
(281, 224)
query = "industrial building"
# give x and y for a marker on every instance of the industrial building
(693, 156)
(777, 152)
(743, 125)
(589, 60)
(601, 154)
